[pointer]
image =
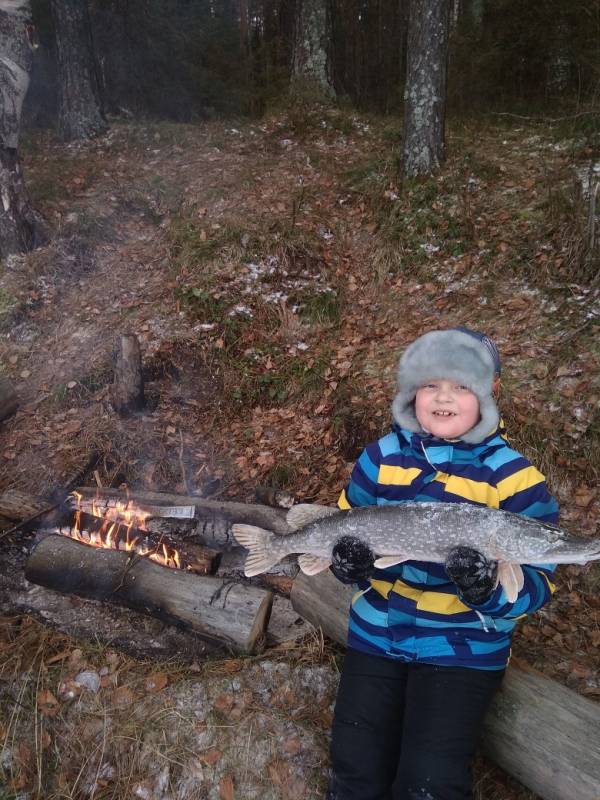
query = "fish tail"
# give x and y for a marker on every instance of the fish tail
(259, 543)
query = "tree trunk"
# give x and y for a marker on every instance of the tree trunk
(311, 44)
(80, 111)
(17, 219)
(244, 29)
(424, 117)
(542, 733)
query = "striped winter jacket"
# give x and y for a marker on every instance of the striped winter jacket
(412, 611)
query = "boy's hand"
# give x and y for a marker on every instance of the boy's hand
(474, 575)
(352, 560)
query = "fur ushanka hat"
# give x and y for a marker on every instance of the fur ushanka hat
(458, 354)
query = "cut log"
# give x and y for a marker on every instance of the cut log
(165, 549)
(8, 398)
(545, 735)
(127, 392)
(18, 505)
(537, 730)
(221, 612)
(214, 517)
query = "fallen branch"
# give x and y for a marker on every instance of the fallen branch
(546, 119)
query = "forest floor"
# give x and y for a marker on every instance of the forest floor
(273, 272)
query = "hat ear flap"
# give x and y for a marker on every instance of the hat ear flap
(403, 412)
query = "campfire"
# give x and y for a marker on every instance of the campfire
(115, 550)
(119, 525)
(115, 524)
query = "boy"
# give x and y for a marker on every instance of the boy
(428, 643)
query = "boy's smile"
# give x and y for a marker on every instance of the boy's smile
(446, 409)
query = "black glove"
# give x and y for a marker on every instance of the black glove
(474, 575)
(352, 560)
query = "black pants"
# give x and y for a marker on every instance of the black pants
(406, 731)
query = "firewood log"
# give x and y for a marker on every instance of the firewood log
(237, 616)
(545, 735)
(214, 517)
(19, 505)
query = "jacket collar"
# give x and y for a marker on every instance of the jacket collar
(439, 451)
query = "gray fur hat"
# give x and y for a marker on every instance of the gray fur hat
(459, 355)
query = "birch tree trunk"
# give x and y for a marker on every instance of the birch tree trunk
(17, 221)
(426, 78)
(80, 114)
(311, 44)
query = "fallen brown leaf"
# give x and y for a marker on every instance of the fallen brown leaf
(210, 757)
(226, 788)
(47, 703)
(155, 682)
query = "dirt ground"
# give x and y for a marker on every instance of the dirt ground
(273, 271)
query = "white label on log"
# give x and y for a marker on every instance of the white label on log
(172, 512)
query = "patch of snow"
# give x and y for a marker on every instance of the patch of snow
(276, 297)
(205, 326)
(241, 309)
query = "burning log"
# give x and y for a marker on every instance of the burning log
(124, 510)
(213, 518)
(106, 532)
(127, 393)
(8, 398)
(542, 733)
(232, 615)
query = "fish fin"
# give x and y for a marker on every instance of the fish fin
(259, 543)
(510, 575)
(518, 569)
(389, 561)
(311, 564)
(300, 515)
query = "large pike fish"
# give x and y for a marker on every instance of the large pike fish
(419, 532)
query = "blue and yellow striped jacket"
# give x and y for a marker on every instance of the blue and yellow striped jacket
(412, 611)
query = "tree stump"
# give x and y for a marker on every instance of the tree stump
(128, 386)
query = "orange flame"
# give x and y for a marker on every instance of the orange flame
(115, 532)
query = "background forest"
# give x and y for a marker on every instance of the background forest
(185, 60)
(236, 183)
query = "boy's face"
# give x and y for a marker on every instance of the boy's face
(446, 409)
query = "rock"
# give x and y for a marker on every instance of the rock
(89, 680)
